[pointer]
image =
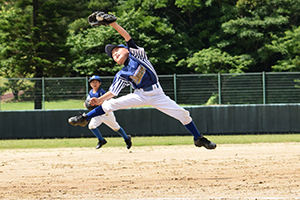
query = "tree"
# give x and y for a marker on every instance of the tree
(213, 60)
(288, 49)
(15, 85)
(34, 45)
(254, 27)
(87, 50)
(15, 42)
(87, 46)
(169, 31)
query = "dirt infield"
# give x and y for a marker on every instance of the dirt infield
(252, 171)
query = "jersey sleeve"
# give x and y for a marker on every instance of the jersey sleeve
(131, 44)
(118, 84)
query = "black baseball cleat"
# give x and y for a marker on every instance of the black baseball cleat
(101, 143)
(78, 120)
(203, 142)
(128, 142)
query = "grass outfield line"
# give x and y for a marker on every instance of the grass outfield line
(145, 141)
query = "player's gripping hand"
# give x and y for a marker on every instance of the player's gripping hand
(99, 18)
(95, 101)
(88, 106)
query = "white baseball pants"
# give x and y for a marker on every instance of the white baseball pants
(155, 98)
(108, 118)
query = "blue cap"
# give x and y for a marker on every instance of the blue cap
(95, 78)
(110, 47)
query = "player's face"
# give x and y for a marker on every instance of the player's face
(95, 84)
(119, 55)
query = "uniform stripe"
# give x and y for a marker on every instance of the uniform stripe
(118, 84)
(142, 57)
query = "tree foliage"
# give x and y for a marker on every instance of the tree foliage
(15, 41)
(213, 60)
(179, 36)
(287, 48)
(254, 27)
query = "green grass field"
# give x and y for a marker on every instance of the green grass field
(145, 141)
(52, 105)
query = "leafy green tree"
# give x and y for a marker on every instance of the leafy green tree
(34, 45)
(87, 49)
(15, 42)
(50, 25)
(53, 38)
(170, 31)
(197, 25)
(88, 45)
(288, 49)
(15, 85)
(255, 25)
(213, 60)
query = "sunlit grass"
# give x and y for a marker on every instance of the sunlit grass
(52, 105)
(145, 141)
(49, 105)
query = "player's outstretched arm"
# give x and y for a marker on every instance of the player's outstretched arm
(121, 31)
(98, 101)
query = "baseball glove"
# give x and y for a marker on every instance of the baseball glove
(88, 106)
(99, 18)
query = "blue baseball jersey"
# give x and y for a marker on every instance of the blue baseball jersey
(98, 94)
(137, 71)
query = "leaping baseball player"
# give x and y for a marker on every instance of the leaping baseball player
(141, 75)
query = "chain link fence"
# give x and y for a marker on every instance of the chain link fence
(195, 89)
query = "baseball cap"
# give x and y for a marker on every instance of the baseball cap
(110, 47)
(94, 77)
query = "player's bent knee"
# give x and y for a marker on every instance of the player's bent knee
(116, 129)
(185, 118)
(92, 127)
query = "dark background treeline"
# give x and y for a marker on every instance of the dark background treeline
(52, 38)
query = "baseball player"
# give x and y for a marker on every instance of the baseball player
(138, 72)
(108, 118)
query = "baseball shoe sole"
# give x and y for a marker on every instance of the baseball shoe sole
(78, 120)
(203, 142)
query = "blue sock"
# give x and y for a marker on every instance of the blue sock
(95, 112)
(193, 130)
(122, 133)
(97, 133)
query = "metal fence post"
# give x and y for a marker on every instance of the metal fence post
(264, 86)
(175, 87)
(0, 93)
(86, 85)
(219, 88)
(43, 92)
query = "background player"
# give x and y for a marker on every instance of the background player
(141, 75)
(108, 118)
